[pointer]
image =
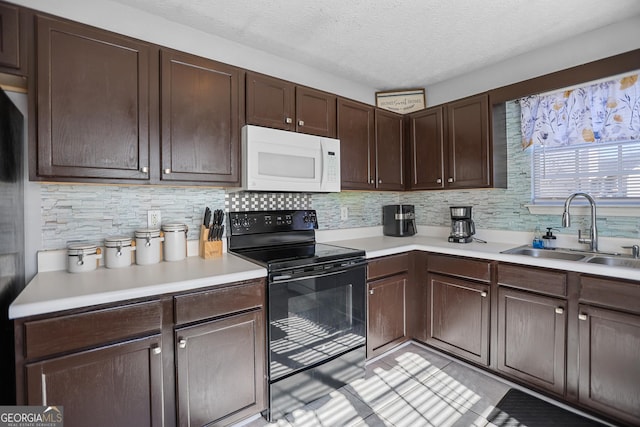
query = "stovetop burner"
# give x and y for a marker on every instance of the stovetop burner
(282, 239)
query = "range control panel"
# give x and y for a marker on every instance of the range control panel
(272, 221)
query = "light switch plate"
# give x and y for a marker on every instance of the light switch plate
(344, 213)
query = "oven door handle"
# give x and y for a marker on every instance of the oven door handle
(291, 278)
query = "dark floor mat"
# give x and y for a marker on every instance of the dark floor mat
(517, 408)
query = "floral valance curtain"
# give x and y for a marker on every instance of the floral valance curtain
(603, 112)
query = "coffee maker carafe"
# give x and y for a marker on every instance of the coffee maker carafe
(462, 226)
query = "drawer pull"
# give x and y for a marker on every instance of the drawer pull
(182, 343)
(559, 310)
(144, 169)
(167, 171)
(288, 120)
(370, 291)
(156, 349)
(301, 122)
(582, 316)
(483, 294)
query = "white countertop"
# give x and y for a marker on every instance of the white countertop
(58, 290)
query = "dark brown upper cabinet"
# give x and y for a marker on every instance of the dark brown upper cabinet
(427, 142)
(201, 109)
(282, 105)
(450, 147)
(389, 151)
(94, 106)
(12, 51)
(356, 132)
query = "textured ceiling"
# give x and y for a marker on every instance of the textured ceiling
(389, 44)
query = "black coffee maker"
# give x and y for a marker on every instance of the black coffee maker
(398, 220)
(462, 226)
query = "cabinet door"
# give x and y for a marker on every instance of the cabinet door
(609, 360)
(315, 112)
(93, 103)
(118, 385)
(389, 151)
(532, 338)
(270, 102)
(221, 370)
(459, 321)
(386, 322)
(427, 149)
(357, 148)
(9, 37)
(469, 160)
(200, 102)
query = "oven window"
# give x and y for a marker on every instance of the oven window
(315, 319)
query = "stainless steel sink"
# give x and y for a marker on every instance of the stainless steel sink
(610, 259)
(615, 261)
(546, 253)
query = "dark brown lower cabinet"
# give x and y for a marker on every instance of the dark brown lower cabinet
(459, 321)
(115, 385)
(532, 332)
(609, 378)
(386, 314)
(220, 370)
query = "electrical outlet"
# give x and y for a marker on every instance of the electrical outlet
(154, 219)
(344, 213)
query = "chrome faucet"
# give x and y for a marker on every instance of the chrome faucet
(592, 240)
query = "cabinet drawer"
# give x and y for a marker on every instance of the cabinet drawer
(387, 266)
(460, 267)
(612, 293)
(218, 302)
(84, 330)
(533, 279)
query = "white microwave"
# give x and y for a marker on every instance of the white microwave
(278, 160)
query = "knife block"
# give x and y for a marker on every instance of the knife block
(209, 249)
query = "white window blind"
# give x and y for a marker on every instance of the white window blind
(609, 172)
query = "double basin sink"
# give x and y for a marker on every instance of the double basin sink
(615, 260)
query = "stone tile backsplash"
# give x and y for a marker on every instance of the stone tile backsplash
(93, 212)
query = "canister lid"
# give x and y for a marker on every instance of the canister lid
(148, 232)
(82, 249)
(174, 227)
(115, 241)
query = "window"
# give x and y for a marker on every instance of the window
(585, 139)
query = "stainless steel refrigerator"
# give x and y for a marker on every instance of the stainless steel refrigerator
(12, 276)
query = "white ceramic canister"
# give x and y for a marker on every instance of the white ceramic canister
(175, 241)
(118, 251)
(82, 257)
(148, 246)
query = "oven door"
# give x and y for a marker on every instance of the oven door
(314, 318)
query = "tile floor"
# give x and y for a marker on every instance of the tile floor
(409, 387)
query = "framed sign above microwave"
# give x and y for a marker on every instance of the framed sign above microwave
(401, 101)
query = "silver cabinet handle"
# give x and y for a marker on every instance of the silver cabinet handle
(288, 120)
(156, 349)
(182, 343)
(439, 181)
(379, 181)
(167, 171)
(559, 310)
(300, 122)
(144, 169)
(370, 291)
(450, 180)
(483, 294)
(372, 181)
(582, 316)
